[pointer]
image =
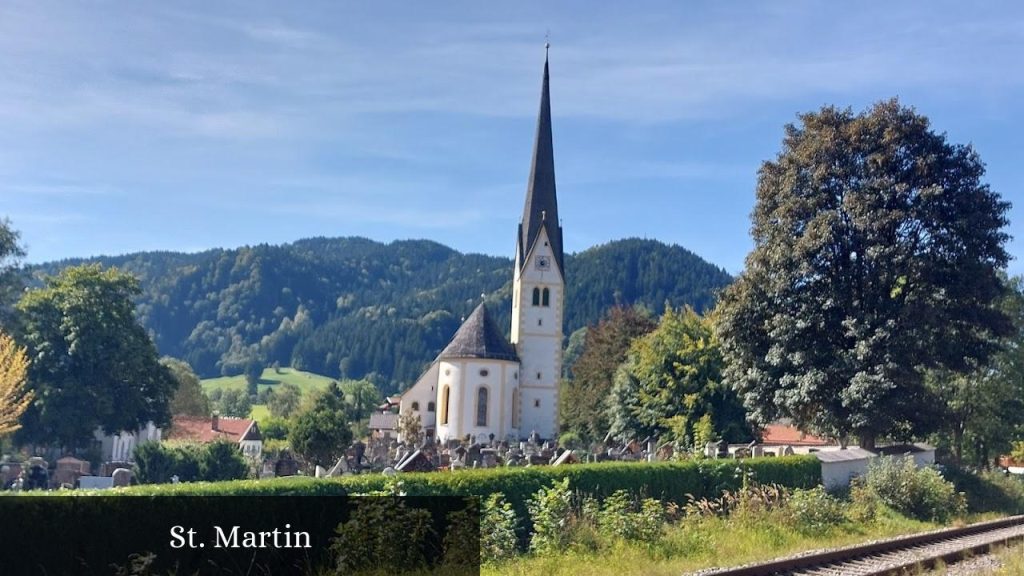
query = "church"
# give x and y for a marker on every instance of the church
(482, 385)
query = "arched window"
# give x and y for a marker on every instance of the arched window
(444, 405)
(430, 407)
(481, 407)
(536, 296)
(416, 406)
(547, 297)
(515, 407)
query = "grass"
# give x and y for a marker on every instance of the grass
(308, 382)
(1012, 560)
(699, 543)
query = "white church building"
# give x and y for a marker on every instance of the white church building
(482, 385)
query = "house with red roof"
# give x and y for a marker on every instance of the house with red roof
(242, 431)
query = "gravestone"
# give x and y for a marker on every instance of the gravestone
(122, 477)
(417, 462)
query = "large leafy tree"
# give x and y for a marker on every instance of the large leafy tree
(984, 409)
(671, 385)
(605, 346)
(320, 434)
(189, 398)
(92, 364)
(11, 254)
(876, 255)
(14, 398)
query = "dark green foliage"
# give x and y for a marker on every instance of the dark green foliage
(666, 481)
(189, 399)
(876, 255)
(274, 428)
(321, 433)
(984, 409)
(11, 281)
(351, 307)
(156, 463)
(383, 536)
(285, 400)
(604, 349)
(222, 460)
(989, 491)
(253, 371)
(235, 403)
(93, 365)
(920, 493)
(671, 387)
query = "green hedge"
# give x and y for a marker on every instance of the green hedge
(667, 481)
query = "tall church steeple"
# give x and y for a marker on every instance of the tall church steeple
(541, 209)
(538, 288)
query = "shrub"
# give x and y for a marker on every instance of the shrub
(621, 516)
(370, 540)
(920, 493)
(989, 491)
(864, 502)
(673, 482)
(814, 510)
(551, 513)
(497, 529)
(222, 460)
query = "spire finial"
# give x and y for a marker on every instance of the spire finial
(547, 43)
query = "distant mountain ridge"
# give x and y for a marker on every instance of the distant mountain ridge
(354, 307)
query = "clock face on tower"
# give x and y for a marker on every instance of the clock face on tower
(543, 262)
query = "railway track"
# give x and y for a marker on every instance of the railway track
(901, 555)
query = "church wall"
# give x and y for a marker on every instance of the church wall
(422, 393)
(466, 378)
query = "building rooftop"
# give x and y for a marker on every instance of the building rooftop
(200, 429)
(479, 337)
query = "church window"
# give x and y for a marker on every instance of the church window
(431, 407)
(538, 375)
(481, 407)
(540, 321)
(546, 301)
(416, 406)
(444, 405)
(484, 372)
(536, 296)
(515, 407)
(536, 403)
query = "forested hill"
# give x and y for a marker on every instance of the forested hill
(353, 307)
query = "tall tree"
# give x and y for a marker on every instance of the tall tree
(189, 398)
(285, 400)
(876, 252)
(11, 283)
(361, 396)
(984, 409)
(14, 398)
(604, 349)
(320, 434)
(671, 385)
(92, 364)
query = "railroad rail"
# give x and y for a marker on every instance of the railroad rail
(901, 555)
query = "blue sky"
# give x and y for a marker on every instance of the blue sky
(131, 126)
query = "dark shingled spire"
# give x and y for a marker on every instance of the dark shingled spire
(479, 337)
(541, 210)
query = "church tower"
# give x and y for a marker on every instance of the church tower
(538, 287)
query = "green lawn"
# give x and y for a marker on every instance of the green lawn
(306, 381)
